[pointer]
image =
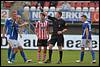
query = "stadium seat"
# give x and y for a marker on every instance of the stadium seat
(72, 8)
(72, 4)
(92, 9)
(78, 4)
(78, 8)
(45, 8)
(46, 4)
(58, 9)
(38, 9)
(97, 9)
(59, 4)
(52, 8)
(7, 5)
(96, 5)
(26, 8)
(33, 3)
(85, 4)
(33, 8)
(91, 4)
(85, 9)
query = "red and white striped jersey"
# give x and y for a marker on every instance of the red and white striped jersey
(41, 30)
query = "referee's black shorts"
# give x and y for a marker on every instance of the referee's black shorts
(57, 38)
(42, 42)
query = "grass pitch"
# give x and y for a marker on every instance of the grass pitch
(69, 58)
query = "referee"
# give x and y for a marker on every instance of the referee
(59, 27)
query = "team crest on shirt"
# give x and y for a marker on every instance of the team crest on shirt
(42, 28)
(59, 25)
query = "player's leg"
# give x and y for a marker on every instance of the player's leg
(60, 44)
(9, 48)
(39, 54)
(44, 53)
(92, 51)
(44, 50)
(51, 44)
(60, 54)
(39, 43)
(50, 54)
(9, 51)
(82, 50)
(14, 50)
(23, 54)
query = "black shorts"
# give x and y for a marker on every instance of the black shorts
(41, 42)
(57, 38)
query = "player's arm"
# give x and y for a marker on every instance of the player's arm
(23, 24)
(49, 17)
(86, 33)
(20, 32)
(65, 28)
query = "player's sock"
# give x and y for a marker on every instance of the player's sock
(44, 57)
(9, 52)
(23, 55)
(44, 54)
(81, 56)
(93, 54)
(13, 56)
(60, 54)
(38, 55)
(50, 54)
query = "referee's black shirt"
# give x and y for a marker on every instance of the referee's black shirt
(58, 24)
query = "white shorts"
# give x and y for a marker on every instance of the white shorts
(85, 44)
(8, 38)
(15, 43)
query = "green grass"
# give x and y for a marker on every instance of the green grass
(69, 58)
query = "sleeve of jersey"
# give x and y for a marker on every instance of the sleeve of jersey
(51, 18)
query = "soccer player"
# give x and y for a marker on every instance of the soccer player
(11, 28)
(86, 36)
(14, 40)
(7, 31)
(42, 32)
(59, 27)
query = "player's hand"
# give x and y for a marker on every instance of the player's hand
(26, 23)
(3, 35)
(59, 32)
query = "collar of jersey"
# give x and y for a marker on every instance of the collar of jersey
(86, 22)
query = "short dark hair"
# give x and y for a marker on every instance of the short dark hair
(42, 14)
(60, 13)
(84, 16)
